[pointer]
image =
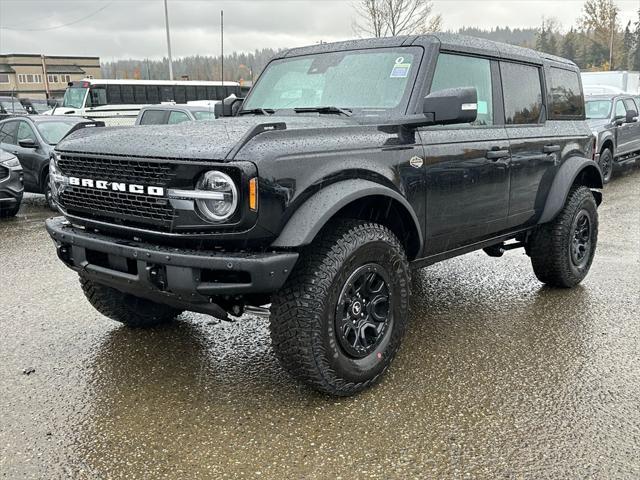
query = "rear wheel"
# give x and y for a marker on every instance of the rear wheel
(124, 308)
(562, 250)
(339, 319)
(606, 165)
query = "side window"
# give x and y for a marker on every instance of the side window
(25, 132)
(97, 96)
(566, 96)
(166, 94)
(522, 93)
(152, 94)
(8, 132)
(454, 71)
(621, 111)
(113, 95)
(140, 94)
(181, 93)
(153, 117)
(127, 94)
(178, 117)
(630, 104)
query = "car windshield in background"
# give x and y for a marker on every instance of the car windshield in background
(204, 115)
(371, 80)
(52, 132)
(40, 107)
(74, 97)
(12, 107)
(598, 109)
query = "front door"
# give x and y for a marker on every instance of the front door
(466, 166)
(30, 158)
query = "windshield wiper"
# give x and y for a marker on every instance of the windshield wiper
(341, 111)
(257, 111)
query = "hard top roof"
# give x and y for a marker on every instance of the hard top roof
(179, 106)
(447, 41)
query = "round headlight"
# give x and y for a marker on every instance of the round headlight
(219, 197)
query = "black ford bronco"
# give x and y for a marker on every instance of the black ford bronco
(346, 166)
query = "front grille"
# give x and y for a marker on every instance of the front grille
(136, 210)
(117, 169)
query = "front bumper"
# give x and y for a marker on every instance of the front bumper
(187, 279)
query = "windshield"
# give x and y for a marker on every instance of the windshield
(204, 115)
(52, 132)
(74, 97)
(40, 105)
(598, 109)
(12, 107)
(373, 81)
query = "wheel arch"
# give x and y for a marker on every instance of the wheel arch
(359, 198)
(574, 171)
(607, 142)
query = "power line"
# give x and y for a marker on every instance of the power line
(58, 26)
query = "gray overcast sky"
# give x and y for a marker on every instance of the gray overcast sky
(135, 28)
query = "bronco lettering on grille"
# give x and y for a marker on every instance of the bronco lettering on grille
(117, 186)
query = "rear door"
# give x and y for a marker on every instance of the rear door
(467, 166)
(633, 127)
(537, 142)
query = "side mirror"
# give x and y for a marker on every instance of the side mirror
(228, 107)
(451, 106)
(28, 143)
(631, 116)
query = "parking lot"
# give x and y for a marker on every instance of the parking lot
(498, 377)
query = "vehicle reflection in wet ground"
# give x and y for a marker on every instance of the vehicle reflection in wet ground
(497, 376)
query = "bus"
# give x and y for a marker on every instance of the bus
(117, 102)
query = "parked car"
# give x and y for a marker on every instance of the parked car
(35, 106)
(11, 186)
(32, 139)
(172, 114)
(11, 106)
(614, 121)
(347, 165)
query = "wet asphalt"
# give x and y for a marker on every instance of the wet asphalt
(498, 377)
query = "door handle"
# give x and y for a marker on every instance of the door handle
(497, 154)
(551, 148)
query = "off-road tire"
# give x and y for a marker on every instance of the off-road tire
(551, 244)
(124, 308)
(606, 164)
(304, 331)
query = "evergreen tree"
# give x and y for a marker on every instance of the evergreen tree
(569, 46)
(628, 43)
(635, 57)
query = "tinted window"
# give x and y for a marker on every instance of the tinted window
(181, 94)
(201, 92)
(97, 97)
(113, 95)
(178, 117)
(191, 93)
(140, 94)
(454, 71)
(522, 93)
(127, 94)
(211, 93)
(25, 132)
(566, 96)
(152, 94)
(166, 94)
(8, 132)
(153, 117)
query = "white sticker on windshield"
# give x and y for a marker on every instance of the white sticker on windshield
(400, 68)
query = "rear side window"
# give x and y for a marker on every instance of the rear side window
(178, 117)
(566, 96)
(453, 71)
(127, 94)
(113, 95)
(522, 93)
(153, 117)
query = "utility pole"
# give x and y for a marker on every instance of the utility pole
(222, 44)
(613, 32)
(166, 22)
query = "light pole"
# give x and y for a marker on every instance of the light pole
(166, 22)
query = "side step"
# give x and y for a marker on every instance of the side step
(499, 249)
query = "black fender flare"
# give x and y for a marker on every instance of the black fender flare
(315, 212)
(565, 178)
(605, 137)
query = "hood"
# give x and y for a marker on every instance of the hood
(201, 140)
(597, 123)
(5, 156)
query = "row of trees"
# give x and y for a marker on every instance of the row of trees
(596, 42)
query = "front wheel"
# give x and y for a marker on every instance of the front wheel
(606, 165)
(562, 250)
(48, 196)
(338, 321)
